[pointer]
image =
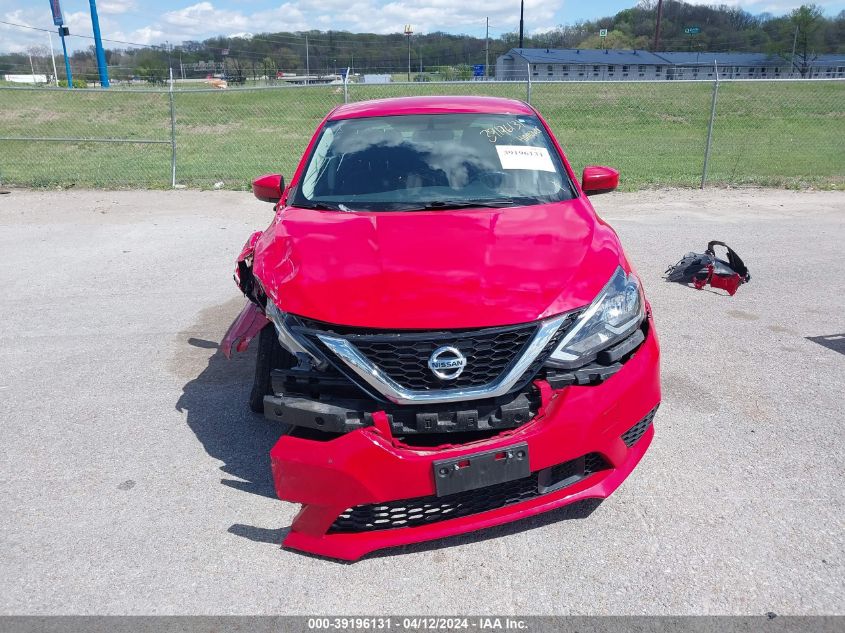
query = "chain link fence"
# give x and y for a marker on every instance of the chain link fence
(771, 133)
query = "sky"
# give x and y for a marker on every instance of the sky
(159, 21)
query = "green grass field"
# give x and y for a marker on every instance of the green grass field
(788, 134)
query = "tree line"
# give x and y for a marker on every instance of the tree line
(441, 55)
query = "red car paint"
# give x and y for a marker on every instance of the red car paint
(458, 269)
(362, 467)
(467, 268)
(251, 320)
(244, 328)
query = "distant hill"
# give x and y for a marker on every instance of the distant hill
(449, 56)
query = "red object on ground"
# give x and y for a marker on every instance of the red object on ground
(730, 283)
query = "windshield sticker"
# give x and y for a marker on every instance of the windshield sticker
(522, 157)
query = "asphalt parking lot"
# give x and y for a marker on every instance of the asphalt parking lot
(135, 480)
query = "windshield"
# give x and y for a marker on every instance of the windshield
(435, 161)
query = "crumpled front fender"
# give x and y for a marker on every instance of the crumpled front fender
(244, 328)
(251, 320)
(243, 265)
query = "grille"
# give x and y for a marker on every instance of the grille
(404, 355)
(593, 463)
(632, 435)
(431, 509)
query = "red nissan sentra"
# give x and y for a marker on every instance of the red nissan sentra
(452, 335)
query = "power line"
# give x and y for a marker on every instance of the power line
(26, 26)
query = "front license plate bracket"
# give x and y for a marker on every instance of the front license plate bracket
(477, 470)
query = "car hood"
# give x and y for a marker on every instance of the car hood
(439, 269)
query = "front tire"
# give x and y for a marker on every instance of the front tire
(271, 355)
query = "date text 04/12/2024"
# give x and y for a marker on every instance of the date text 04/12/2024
(416, 624)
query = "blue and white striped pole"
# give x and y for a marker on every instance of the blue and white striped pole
(98, 44)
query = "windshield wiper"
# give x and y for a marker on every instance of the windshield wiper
(437, 205)
(460, 204)
(434, 205)
(322, 206)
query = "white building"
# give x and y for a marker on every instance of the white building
(561, 64)
(703, 65)
(827, 67)
(27, 79)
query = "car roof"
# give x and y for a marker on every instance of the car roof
(430, 105)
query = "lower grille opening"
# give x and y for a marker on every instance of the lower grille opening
(632, 435)
(315, 435)
(431, 509)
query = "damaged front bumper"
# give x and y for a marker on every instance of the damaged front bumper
(365, 490)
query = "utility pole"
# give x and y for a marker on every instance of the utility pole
(408, 33)
(521, 22)
(487, 48)
(59, 22)
(307, 62)
(53, 59)
(657, 26)
(98, 45)
(63, 30)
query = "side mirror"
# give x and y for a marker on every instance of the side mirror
(597, 180)
(268, 188)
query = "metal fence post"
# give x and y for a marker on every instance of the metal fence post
(528, 83)
(346, 86)
(710, 127)
(172, 134)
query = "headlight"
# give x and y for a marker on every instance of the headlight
(616, 312)
(286, 337)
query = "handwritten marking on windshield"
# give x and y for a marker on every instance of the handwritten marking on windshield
(506, 129)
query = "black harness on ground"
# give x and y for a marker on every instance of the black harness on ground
(700, 269)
